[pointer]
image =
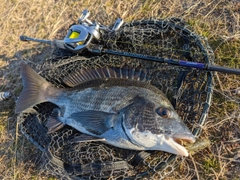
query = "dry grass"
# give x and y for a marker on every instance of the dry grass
(218, 20)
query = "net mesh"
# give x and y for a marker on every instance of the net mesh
(189, 90)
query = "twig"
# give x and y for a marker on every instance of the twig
(195, 167)
(219, 81)
(212, 9)
(15, 152)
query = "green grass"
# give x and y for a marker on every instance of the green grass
(210, 164)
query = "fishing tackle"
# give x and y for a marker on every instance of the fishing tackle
(81, 35)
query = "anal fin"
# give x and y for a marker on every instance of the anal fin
(85, 138)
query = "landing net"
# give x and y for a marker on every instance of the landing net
(189, 90)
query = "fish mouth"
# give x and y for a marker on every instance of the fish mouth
(178, 141)
(183, 138)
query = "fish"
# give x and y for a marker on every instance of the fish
(117, 106)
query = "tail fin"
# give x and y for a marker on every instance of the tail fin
(34, 87)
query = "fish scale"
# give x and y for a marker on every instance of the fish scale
(107, 100)
(124, 110)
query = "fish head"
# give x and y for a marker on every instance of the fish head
(156, 126)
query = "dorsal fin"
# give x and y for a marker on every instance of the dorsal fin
(83, 75)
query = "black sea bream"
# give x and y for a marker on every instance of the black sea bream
(114, 105)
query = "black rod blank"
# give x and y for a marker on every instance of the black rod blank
(175, 62)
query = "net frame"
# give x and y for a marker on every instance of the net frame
(121, 166)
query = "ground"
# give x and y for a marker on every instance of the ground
(217, 20)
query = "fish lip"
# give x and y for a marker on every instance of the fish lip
(174, 143)
(177, 142)
(178, 138)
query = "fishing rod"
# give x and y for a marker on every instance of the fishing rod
(176, 62)
(81, 35)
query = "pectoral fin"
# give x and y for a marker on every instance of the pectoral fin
(53, 123)
(96, 122)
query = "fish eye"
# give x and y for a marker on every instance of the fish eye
(164, 112)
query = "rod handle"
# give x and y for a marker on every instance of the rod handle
(223, 69)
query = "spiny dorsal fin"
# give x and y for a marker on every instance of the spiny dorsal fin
(83, 75)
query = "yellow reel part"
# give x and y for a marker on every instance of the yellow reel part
(75, 35)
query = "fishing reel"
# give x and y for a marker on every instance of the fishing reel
(80, 35)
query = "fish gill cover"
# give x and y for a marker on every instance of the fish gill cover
(189, 91)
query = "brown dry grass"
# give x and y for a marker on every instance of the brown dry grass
(218, 20)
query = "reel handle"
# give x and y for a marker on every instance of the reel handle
(118, 23)
(84, 17)
(223, 69)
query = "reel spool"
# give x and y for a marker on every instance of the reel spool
(81, 35)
